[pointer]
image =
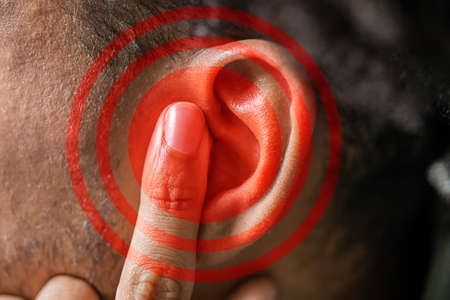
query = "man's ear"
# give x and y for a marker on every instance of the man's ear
(260, 110)
(253, 164)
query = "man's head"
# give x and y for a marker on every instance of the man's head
(47, 46)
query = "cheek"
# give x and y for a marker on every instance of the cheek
(39, 212)
(34, 106)
(32, 131)
(33, 169)
(35, 96)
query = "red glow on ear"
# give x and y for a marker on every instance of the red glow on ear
(246, 148)
(104, 165)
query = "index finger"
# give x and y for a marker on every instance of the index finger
(174, 180)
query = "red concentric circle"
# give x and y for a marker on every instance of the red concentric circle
(165, 97)
(190, 274)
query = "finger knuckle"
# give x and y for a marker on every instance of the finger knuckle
(173, 197)
(150, 286)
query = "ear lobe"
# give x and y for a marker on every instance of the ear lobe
(251, 95)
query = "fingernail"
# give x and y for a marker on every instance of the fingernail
(184, 127)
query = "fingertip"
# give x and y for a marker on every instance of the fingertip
(256, 289)
(8, 297)
(67, 287)
(184, 127)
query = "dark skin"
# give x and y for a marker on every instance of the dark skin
(358, 251)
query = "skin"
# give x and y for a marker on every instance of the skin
(52, 190)
(175, 171)
(74, 288)
(44, 232)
